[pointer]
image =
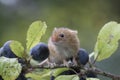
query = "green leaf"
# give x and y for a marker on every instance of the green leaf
(34, 62)
(59, 70)
(9, 68)
(39, 74)
(18, 49)
(93, 79)
(34, 34)
(45, 74)
(67, 77)
(107, 41)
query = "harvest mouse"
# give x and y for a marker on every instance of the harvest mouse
(63, 45)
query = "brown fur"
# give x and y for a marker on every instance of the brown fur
(65, 47)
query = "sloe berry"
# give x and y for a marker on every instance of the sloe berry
(40, 52)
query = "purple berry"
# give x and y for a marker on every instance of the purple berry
(83, 56)
(6, 50)
(40, 52)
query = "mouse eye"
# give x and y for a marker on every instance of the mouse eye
(61, 35)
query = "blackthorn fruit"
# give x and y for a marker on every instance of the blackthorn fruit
(1, 78)
(83, 56)
(68, 72)
(40, 52)
(52, 78)
(82, 78)
(21, 77)
(6, 50)
(91, 74)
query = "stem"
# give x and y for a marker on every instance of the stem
(103, 73)
(93, 69)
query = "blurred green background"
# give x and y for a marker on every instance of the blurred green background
(86, 16)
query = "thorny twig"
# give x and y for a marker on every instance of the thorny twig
(93, 69)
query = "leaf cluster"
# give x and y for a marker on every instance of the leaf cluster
(10, 68)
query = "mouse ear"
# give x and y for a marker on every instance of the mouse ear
(74, 31)
(55, 29)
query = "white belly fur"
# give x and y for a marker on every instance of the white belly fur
(65, 52)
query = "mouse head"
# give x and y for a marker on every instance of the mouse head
(63, 35)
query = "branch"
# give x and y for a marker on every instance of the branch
(103, 73)
(51, 67)
(94, 70)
